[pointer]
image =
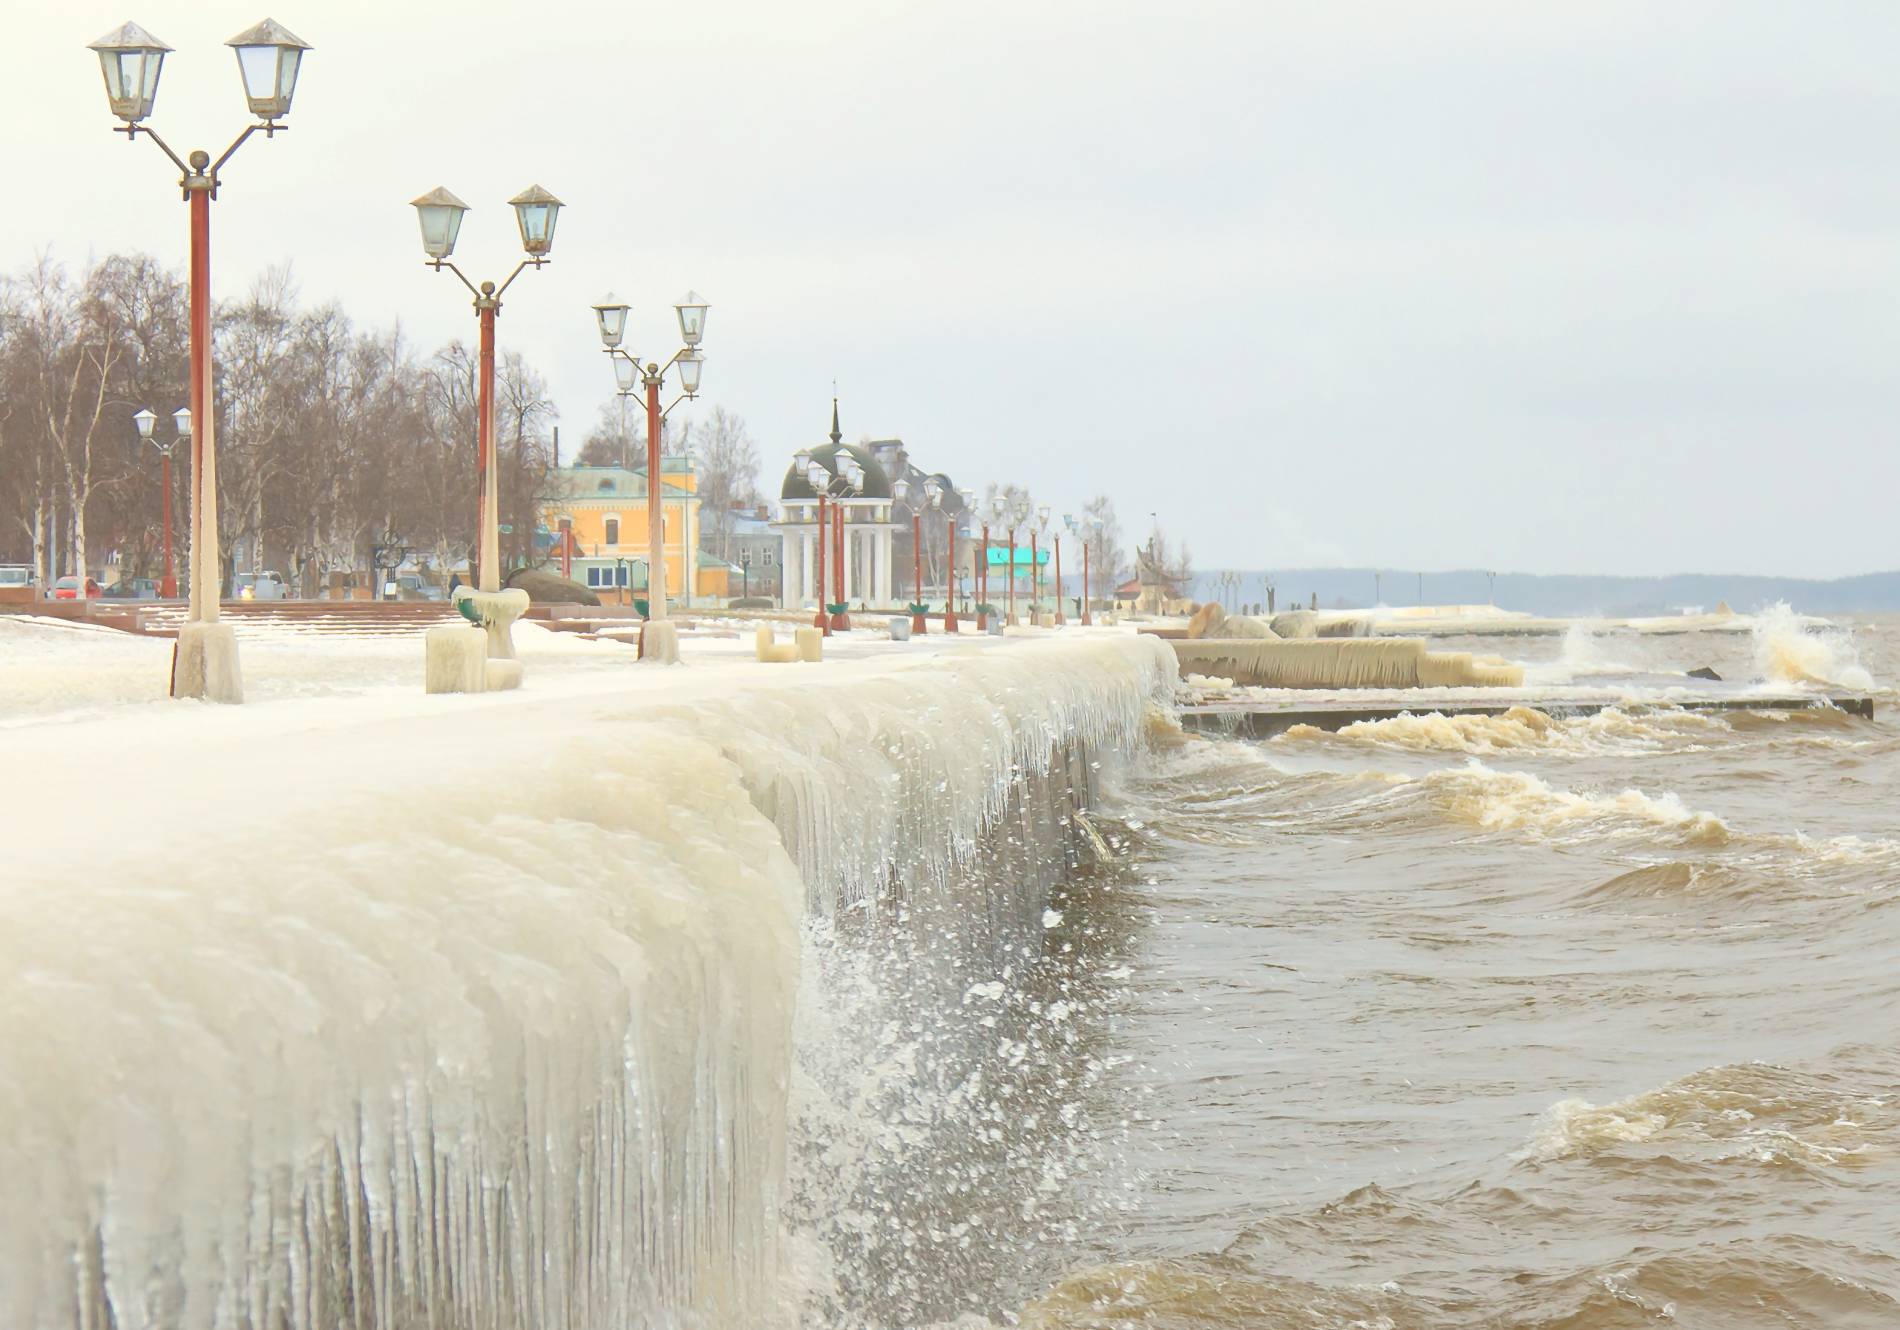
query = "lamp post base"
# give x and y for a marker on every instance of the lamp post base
(949, 621)
(660, 642)
(205, 663)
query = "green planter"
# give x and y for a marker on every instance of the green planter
(919, 609)
(640, 607)
(840, 608)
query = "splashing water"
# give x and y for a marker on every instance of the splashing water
(1786, 652)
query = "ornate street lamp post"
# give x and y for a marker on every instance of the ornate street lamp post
(1007, 513)
(440, 213)
(1084, 531)
(933, 493)
(1035, 565)
(181, 421)
(269, 57)
(847, 479)
(611, 317)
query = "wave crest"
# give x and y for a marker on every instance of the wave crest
(1748, 1112)
(1521, 728)
(1519, 801)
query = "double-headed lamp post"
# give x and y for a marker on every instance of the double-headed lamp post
(1035, 565)
(181, 421)
(935, 492)
(440, 215)
(269, 57)
(931, 497)
(824, 482)
(611, 317)
(1084, 531)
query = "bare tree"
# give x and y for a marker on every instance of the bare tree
(524, 422)
(727, 460)
(333, 438)
(72, 344)
(1108, 558)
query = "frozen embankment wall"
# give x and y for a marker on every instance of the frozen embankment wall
(474, 1015)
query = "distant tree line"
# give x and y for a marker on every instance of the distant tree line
(331, 438)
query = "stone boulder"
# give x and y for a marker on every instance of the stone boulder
(546, 587)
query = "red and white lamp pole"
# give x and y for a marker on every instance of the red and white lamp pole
(933, 495)
(950, 566)
(269, 57)
(181, 421)
(611, 316)
(440, 215)
(1085, 531)
(825, 483)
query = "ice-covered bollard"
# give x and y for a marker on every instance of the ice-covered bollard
(494, 612)
(500, 675)
(455, 657)
(773, 651)
(900, 630)
(206, 663)
(811, 643)
(660, 642)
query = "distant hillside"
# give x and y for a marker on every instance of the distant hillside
(1351, 588)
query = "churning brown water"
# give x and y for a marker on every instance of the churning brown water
(1524, 1022)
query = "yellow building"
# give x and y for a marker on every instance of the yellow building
(604, 508)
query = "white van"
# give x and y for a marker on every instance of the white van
(260, 586)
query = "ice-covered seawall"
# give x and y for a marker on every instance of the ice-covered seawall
(466, 1016)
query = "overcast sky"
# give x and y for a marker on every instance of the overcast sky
(1587, 287)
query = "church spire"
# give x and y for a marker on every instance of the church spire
(837, 435)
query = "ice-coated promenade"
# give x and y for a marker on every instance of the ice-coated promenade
(357, 1006)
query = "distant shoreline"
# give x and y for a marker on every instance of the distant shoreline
(1557, 593)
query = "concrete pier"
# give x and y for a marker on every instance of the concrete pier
(1262, 719)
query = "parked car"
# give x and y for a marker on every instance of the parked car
(411, 586)
(260, 586)
(17, 584)
(133, 588)
(67, 588)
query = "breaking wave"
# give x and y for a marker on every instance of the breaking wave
(1521, 728)
(1751, 1112)
(1518, 801)
(1786, 652)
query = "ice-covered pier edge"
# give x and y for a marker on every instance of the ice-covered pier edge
(450, 1017)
